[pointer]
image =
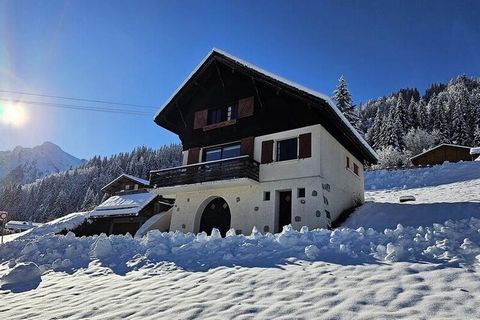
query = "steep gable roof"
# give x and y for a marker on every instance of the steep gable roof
(221, 56)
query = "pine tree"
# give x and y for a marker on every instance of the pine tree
(343, 100)
(476, 136)
(459, 133)
(411, 118)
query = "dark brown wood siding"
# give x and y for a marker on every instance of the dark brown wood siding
(247, 146)
(267, 151)
(245, 107)
(275, 109)
(200, 120)
(193, 155)
(442, 154)
(305, 146)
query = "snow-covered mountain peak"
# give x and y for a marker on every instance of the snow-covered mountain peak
(23, 165)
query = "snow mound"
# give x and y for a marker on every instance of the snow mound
(454, 242)
(422, 177)
(20, 274)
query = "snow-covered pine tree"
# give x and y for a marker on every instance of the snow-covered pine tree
(476, 136)
(400, 117)
(459, 126)
(411, 118)
(343, 100)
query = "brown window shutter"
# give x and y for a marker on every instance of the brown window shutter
(200, 120)
(246, 146)
(267, 151)
(193, 155)
(245, 107)
(305, 146)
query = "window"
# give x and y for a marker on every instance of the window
(232, 112)
(301, 193)
(214, 116)
(355, 169)
(221, 152)
(287, 149)
(348, 162)
(127, 187)
(266, 196)
(222, 114)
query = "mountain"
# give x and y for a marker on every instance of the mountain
(25, 165)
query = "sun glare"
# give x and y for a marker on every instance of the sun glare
(12, 114)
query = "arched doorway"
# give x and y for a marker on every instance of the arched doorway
(216, 215)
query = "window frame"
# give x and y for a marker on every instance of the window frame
(221, 148)
(222, 114)
(301, 193)
(278, 146)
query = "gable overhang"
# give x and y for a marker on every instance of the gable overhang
(312, 98)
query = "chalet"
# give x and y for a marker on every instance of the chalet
(259, 150)
(441, 153)
(14, 226)
(128, 208)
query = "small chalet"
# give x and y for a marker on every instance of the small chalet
(14, 226)
(258, 150)
(441, 153)
(129, 206)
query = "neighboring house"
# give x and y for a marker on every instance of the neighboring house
(441, 153)
(259, 151)
(19, 226)
(126, 210)
(125, 182)
(475, 153)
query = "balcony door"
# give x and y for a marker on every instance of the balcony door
(221, 152)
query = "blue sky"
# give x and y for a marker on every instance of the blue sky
(140, 51)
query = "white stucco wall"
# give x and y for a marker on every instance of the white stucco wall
(346, 188)
(328, 184)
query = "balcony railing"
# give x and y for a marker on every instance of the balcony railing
(224, 169)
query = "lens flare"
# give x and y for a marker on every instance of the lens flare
(12, 114)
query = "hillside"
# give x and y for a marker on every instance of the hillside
(79, 189)
(25, 165)
(427, 268)
(410, 122)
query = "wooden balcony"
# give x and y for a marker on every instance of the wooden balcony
(224, 169)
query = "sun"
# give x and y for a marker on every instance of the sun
(13, 114)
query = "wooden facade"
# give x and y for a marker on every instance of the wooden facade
(125, 182)
(265, 105)
(442, 153)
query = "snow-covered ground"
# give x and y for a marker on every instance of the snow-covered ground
(423, 269)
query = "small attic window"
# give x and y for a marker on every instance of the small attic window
(127, 187)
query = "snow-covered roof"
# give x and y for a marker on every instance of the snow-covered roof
(279, 79)
(129, 204)
(440, 145)
(475, 151)
(21, 225)
(127, 176)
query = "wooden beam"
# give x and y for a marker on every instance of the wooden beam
(257, 92)
(181, 114)
(219, 74)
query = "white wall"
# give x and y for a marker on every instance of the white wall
(290, 169)
(345, 187)
(324, 176)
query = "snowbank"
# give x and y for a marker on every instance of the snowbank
(422, 177)
(452, 242)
